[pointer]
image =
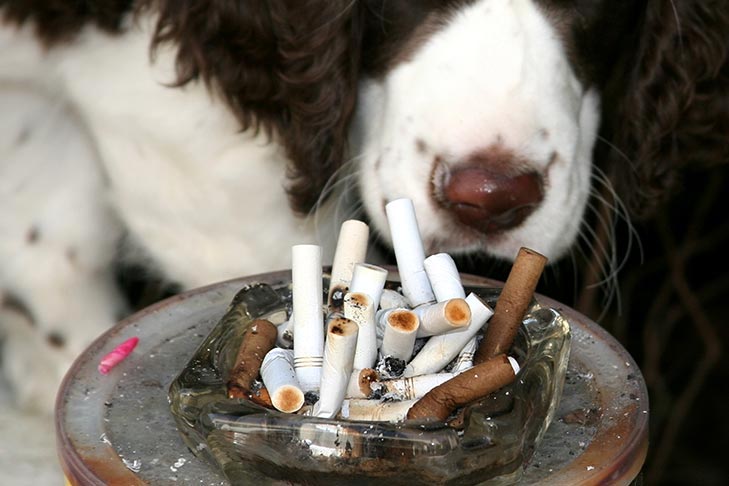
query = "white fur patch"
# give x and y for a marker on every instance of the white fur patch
(497, 73)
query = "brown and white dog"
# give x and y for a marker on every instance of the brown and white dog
(198, 132)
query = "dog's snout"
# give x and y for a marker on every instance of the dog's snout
(488, 200)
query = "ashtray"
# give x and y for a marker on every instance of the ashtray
(251, 444)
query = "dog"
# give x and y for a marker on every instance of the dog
(203, 138)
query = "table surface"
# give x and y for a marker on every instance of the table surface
(117, 428)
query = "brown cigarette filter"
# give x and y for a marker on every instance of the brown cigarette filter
(512, 304)
(259, 396)
(259, 339)
(472, 384)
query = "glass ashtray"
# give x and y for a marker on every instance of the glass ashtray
(251, 444)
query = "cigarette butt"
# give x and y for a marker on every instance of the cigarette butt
(444, 277)
(475, 383)
(351, 249)
(375, 410)
(360, 383)
(369, 279)
(443, 317)
(401, 330)
(279, 376)
(409, 252)
(464, 360)
(307, 297)
(259, 396)
(359, 308)
(258, 340)
(512, 304)
(413, 387)
(392, 299)
(440, 350)
(337, 369)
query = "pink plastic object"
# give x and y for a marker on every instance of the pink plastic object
(117, 355)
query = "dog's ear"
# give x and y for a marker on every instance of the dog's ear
(288, 67)
(668, 104)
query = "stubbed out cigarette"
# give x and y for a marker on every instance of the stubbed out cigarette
(478, 382)
(339, 350)
(413, 387)
(359, 307)
(258, 340)
(440, 350)
(512, 304)
(443, 317)
(401, 330)
(375, 410)
(277, 373)
(444, 277)
(464, 360)
(360, 382)
(306, 276)
(409, 251)
(392, 299)
(351, 249)
(369, 279)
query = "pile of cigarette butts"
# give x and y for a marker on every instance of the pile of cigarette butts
(376, 354)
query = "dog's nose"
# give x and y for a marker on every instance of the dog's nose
(488, 200)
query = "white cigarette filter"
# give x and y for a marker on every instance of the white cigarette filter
(440, 350)
(336, 371)
(368, 279)
(392, 299)
(444, 277)
(464, 360)
(351, 249)
(409, 251)
(415, 386)
(442, 317)
(359, 307)
(375, 410)
(279, 376)
(306, 276)
(400, 331)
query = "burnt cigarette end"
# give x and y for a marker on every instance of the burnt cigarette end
(342, 326)
(358, 299)
(337, 299)
(288, 399)
(458, 312)
(367, 376)
(403, 320)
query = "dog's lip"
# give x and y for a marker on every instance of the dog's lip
(461, 239)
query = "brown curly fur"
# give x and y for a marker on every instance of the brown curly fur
(668, 104)
(290, 68)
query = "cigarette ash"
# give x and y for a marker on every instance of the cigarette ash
(311, 397)
(390, 367)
